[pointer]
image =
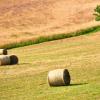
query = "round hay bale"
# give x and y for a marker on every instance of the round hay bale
(3, 52)
(4, 60)
(59, 77)
(13, 59)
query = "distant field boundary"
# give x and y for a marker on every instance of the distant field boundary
(53, 37)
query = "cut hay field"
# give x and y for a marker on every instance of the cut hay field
(29, 19)
(28, 80)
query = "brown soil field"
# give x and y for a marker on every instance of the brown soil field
(28, 19)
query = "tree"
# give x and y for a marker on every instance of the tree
(97, 13)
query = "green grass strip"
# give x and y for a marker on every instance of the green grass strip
(53, 37)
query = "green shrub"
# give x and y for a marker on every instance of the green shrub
(97, 13)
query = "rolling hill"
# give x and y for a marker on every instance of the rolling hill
(23, 20)
(28, 80)
(29, 19)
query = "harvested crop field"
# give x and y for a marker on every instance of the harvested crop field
(29, 19)
(28, 80)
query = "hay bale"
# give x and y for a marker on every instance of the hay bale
(8, 59)
(3, 52)
(59, 77)
(4, 60)
(13, 59)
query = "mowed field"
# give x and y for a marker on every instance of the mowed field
(28, 80)
(29, 19)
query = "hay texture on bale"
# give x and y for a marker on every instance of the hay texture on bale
(3, 52)
(8, 59)
(59, 77)
(4, 60)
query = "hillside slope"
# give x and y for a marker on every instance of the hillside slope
(22, 20)
(28, 80)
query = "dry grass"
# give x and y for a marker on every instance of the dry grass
(22, 20)
(28, 80)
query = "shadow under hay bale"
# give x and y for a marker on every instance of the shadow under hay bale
(78, 84)
(13, 60)
(59, 77)
(3, 52)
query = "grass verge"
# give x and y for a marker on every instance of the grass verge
(53, 37)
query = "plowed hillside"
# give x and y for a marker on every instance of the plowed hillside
(26, 19)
